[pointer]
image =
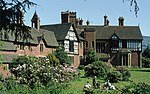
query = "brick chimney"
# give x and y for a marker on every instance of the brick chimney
(20, 17)
(121, 21)
(68, 17)
(35, 21)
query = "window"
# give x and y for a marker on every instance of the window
(71, 46)
(41, 48)
(124, 43)
(21, 47)
(100, 47)
(81, 44)
(115, 44)
(92, 44)
(86, 44)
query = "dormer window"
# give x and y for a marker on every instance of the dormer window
(21, 47)
(115, 42)
(114, 37)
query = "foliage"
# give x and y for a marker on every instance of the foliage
(146, 53)
(125, 72)
(54, 61)
(40, 72)
(81, 67)
(146, 58)
(98, 68)
(11, 14)
(90, 56)
(114, 76)
(134, 3)
(62, 56)
(10, 86)
(139, 88)
(145, 62)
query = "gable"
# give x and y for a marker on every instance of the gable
(71, 35)
(114, 37)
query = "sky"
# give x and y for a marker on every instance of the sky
(92, 10)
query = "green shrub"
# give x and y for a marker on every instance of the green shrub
(54, 61)
(81, 67)
(114, 76)
(62, 56)
(98, 68)
(139, 88)
(90, 57)
(145, 62)
(146, 53)
(125, 72)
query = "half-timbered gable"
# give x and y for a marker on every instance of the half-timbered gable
(67, 37)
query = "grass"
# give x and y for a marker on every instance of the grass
(137, 75)
(141, 75)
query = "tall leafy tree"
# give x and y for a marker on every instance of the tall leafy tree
(10, 12)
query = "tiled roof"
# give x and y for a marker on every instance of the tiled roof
(49, 37)
(35, 36)
(7, 58)
(123, 32)
(60, 30)
(7, 46)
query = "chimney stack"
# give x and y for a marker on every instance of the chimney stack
(121, 21)
(68, 17)
(35, 21)
(87, 22)
(20, 17)
(105, 20)
(80, 21)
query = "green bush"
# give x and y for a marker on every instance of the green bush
(146, 53)
(81, 67)
(98, 68)
(114, 76)
(139, 88)
(145, 62)
(54, 61)
(62, 56)
(90, 57)
(125, 72)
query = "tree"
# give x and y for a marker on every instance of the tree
(90, 56)
(146, 58)
(134, 4)
(62, 56)
(146, 53)
(11, 14)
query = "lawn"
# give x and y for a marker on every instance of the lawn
(137, 75)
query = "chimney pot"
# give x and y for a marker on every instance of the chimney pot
(87, 22)
(121, 21)
(105, 20)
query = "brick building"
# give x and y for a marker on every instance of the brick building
(120, 45)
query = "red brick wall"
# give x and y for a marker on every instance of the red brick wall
(35, 51)
(135, 59)
(89, 37)
(76, 61)
(81, 48)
